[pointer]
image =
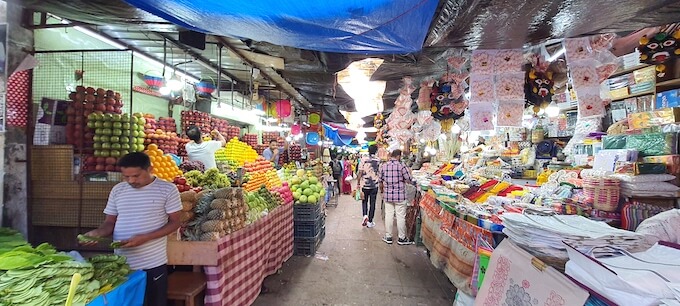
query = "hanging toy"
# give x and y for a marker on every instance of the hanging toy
(378, 121)
(658, 49)
(539, 87)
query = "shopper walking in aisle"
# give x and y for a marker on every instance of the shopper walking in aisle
(346, 176)
(203, 151)
(272, 153)
(394, 175)
(336, 166)
(367, 183)
(141, 212)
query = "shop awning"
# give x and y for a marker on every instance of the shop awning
(348, 26)
(338, 134)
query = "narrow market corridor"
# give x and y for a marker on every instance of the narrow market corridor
(360, 268)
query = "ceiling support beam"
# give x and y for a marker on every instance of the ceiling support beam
(199, 58)
(269, 73)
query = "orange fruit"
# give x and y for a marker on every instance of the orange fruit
(152, 147)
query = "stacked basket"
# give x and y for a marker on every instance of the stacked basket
(603, 192)
(310, 228)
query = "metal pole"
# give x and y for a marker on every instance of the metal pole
(219, 75)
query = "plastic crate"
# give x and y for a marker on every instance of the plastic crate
(308, 246)
(303, 212)
(309, 229)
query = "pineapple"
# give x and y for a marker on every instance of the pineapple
(231, 204)
(192, 233)
(219, 204)
(211, 226)
(217, 214)
(205, 193)
(224, 193)
(203, 205)
(210, 236)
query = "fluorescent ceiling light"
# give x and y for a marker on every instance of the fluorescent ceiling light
(557, 55)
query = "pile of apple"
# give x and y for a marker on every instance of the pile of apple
(167, 124)
(92, 163)
(168, 142)
(260, 148)
(182, 185)
(181, 147)
(116, 135)
(295, 152)
(199, 119)
(250, 139)
(86, 101)
(269, 136)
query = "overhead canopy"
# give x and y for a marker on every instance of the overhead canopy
(350, 26)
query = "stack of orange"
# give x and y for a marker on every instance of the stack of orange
(163, 165)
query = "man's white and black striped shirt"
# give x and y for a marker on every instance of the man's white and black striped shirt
(141, 211)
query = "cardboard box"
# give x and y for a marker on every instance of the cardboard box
(654, 118)
(192, 253)
(50, 127)
(619, 93)
(672, 162)
(667, 99)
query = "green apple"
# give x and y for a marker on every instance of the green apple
(115, 146)
(108, 125)
(115, 139)
(104, 138)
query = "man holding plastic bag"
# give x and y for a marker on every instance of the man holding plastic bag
(394, 175)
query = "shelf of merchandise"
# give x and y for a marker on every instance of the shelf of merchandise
(639, 94)
(628, 70)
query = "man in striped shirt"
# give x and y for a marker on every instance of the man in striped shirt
(394, 176)
(141, 212)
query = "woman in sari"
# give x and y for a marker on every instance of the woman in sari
(346, 172)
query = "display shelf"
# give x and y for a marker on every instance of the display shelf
(673, 82)
(640, 94)
(628, 70)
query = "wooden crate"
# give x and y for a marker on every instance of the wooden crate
(53, 163)
(192, 253)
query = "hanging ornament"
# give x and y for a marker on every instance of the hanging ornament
(378, 121)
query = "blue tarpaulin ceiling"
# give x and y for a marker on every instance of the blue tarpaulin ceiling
(346, 26)
(339, 135)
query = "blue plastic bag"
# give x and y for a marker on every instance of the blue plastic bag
(129, 293)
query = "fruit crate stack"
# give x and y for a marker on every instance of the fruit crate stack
(251, 140)
(167, 124)
(115, 135)
(309, 225)
(269, 136)
(199, 119)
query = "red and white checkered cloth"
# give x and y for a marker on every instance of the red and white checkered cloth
(247, 257)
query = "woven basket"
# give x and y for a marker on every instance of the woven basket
(603, 192)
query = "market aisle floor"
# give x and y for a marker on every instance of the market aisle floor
(361, 269)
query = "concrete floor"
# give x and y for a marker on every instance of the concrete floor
(361, 269)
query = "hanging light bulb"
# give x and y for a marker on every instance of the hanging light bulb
(552, 110)
(165, 90)
(174, 83)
